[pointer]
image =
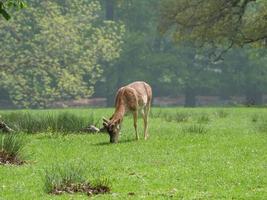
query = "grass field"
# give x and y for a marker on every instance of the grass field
(201, 153)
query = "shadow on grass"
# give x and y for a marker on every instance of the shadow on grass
(120, 142)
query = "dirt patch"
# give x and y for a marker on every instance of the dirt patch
(7, 159)
(82, 188)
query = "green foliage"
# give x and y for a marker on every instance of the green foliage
(7, 4)
(215, 22)
(49, 54)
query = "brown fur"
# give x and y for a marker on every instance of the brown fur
(134, 97)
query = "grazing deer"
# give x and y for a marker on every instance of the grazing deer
(130, 98)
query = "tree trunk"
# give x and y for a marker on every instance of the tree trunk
(110, 9)
(190, 97)
(254, 98)
(110, 16)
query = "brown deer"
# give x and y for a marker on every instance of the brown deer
(132, 98)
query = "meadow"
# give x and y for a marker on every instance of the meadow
(192, 153)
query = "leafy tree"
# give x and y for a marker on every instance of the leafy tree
(216, 23)
(52, 53)
(149, 56)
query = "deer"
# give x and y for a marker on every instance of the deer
(132, 98)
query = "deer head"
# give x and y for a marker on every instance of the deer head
(113, 129)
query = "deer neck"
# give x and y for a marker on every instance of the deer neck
(119, 113)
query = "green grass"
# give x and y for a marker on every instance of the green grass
(229, 161)
(34, 122)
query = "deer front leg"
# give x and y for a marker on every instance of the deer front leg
(135, 116)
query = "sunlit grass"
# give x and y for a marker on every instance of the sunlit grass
(226, 162)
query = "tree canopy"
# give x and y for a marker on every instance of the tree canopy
(216, 23)
(48, 53)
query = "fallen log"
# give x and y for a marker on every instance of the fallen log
(90, 129)
(5, 128)
(94, 129)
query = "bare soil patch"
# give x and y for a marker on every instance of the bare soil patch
(82, 188)
(6, 159)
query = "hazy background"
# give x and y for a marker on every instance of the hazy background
(55, 52)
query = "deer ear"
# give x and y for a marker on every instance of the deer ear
(105, 124)
(105, 120)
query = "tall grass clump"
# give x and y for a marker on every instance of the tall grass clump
(30, 122)
(156, 114)
(181, 117)
(11, 147)
(221, 113)
(195, 128)
(255, 118)
(70, 177)
(203, 118)
(169, 116)
(260, 124)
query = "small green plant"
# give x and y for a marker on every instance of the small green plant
(195, 128)
(221, 113)
(70, 177)
(181, 117)
(11, 147)
(203, 118)
(261, 125)
(255, 118)
(169, 117)
(156, 114)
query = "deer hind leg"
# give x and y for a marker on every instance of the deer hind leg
(145, 123)
(145, 117)
(135, 116)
